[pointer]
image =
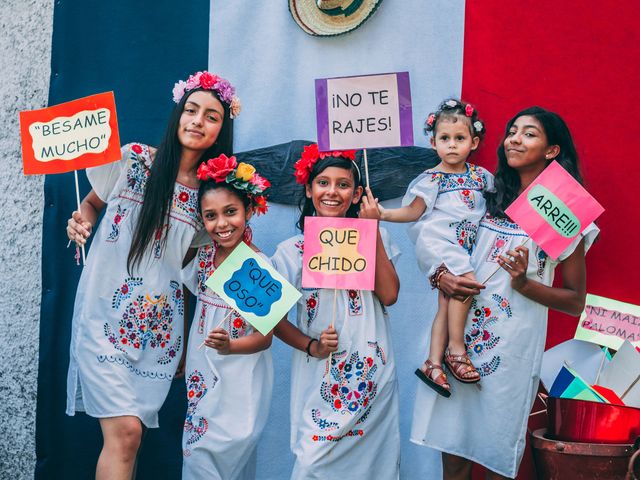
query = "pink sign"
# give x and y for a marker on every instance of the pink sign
(554, 209)
(339, 253)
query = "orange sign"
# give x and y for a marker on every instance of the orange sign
(71, 136)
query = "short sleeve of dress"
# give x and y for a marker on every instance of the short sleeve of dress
(393, 252)
(189, 274)
(287, 260)
(103, 178)
(425, 186)
(589, 234)
(489, 184)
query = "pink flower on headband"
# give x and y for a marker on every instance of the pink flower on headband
(209, 81)
(468, 110)
(431, 119)
(260, 182)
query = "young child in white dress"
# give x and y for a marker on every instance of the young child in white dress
(229, 371)
(448, 203)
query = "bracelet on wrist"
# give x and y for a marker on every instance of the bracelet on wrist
(434, 280)
(308, 349)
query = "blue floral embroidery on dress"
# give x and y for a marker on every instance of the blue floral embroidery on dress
(379, 352)
(472, 179)
(503, 304)
(355, 302)
(205, 265)
(196, 390)
(137, 174)
(184, 205)
(312, 305)
(146, 322)
(238, 326)
(478, 337)
(323, 423)
(541, 258)
(500, 245)
(350, 387)
(125, 291)
(468, 198)
(349, 390)
(120, 215)
(465, 234)
(157, 240)
(487, 368)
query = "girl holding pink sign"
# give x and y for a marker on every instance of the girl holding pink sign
(506, 327)
(127, 329)
(344, 410)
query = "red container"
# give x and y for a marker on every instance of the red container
(557, 460)
(583, 421)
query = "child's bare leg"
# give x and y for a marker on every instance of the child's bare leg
(456, 319)
(432, 367)
(439, 331)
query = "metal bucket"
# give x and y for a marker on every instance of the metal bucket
(583, 421)
(558, 460)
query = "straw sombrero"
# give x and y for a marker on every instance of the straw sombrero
(331, 17)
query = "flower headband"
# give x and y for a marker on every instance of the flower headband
(240, 176)
(453, 104)
(209, 81)
(311, 154)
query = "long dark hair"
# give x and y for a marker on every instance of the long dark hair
(161, 182)
(306, 204)
(507, 179)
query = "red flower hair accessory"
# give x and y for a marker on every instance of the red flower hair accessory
(468, 110)
(310, 155)
(241, 176)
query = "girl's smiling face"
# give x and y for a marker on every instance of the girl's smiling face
(333, 191)
(526, 146)
(201, 121)
(225, 217)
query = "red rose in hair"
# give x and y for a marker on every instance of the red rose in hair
(207, 81)
(221, 166)
(303, 169)
(203, 172)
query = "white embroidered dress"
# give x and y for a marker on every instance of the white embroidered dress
(127, 330)
(446, 231)
(505, 333)
(228, 395)
(344, 419)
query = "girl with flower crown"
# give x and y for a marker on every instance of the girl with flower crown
(229, 382)
(448, 203)
(344, 410)
(128, 329)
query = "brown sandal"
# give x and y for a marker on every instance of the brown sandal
(439, 383)
(459, 366)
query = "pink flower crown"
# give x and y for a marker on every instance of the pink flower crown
(311, 154)
(209, 81)
(240, 176)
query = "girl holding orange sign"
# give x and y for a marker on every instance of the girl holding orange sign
(127, 330)
(344, 410)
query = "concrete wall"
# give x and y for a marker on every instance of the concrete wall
(25, 66)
